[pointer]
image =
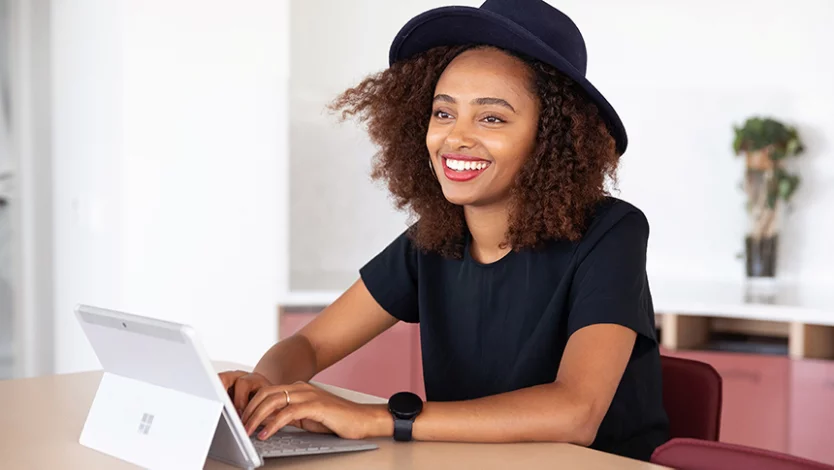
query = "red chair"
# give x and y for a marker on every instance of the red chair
(696, 454)
(692, 398)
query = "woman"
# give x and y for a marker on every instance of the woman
(527, 280)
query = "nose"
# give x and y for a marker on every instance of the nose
(460, 136)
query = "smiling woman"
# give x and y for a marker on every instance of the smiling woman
(527, 279)
(528, 111)
(484, 110)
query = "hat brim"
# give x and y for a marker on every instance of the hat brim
(456, 25)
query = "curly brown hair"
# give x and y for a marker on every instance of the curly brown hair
(555, 189)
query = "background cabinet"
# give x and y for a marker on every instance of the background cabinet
(388, 364)
(812, 410)
(755, 391)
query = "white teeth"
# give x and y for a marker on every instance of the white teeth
(463, 165)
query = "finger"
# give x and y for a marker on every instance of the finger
(258, 398)
(295, 390)
(267, 407)
(242, 389)
(300, 412)
(229, 377)
(274, 403)
(299, 392)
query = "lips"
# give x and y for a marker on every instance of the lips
(462, 168)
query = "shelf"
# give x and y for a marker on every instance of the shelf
(693, 312)
(778, 302)
(699, 332)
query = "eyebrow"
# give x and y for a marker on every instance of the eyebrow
(477, 101)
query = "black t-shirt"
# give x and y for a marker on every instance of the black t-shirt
(493, 328)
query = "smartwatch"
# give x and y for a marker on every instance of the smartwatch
(404, 408)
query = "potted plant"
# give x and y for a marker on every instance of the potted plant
(766, 144)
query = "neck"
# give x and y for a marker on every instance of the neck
(488, 226)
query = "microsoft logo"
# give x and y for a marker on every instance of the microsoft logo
(145, 424)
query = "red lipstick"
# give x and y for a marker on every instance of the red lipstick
(461, 168)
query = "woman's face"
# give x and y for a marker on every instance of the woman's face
(483, 126)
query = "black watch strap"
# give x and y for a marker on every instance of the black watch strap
(404, 408)
(402, 429)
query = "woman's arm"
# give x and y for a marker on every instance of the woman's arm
(340, 329)
(351, 321)
(567, 410)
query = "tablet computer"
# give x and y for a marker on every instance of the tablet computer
(161, 404)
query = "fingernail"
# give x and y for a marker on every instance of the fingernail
(262, 435)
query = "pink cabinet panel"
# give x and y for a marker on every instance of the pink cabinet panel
(290, 322)
(755, 406)
(812, 410)
(384, 366)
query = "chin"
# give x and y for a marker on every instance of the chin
(459, 198)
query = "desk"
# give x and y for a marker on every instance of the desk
(42, 419)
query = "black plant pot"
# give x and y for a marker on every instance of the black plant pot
(761, 256)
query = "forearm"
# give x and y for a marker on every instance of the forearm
(289, 361)
(548, 413)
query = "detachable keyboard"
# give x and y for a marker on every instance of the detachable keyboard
(289, 441)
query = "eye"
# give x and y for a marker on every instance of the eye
(493, 120)
(442, 115)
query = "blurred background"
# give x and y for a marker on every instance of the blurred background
(173, 158)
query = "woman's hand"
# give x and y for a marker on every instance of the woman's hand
(315, 410)
(242, 385)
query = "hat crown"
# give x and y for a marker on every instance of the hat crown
(531, 28)
(553, 27)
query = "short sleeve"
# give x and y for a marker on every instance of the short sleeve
(610, 284)
(391, 278)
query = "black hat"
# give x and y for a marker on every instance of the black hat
(529, 27)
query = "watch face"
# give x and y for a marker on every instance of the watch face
(405, 405)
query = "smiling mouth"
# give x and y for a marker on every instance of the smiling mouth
(463, 169)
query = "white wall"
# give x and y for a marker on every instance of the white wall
(30, 98)
(680, 74)
(170, 140)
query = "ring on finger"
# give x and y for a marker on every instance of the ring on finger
(287, 394)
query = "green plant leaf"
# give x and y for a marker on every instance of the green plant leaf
(794, 146)
(758, 133)
(738, 141)
(788, 185)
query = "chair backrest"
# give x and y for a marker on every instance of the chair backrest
(695, 454)
(692, 398)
